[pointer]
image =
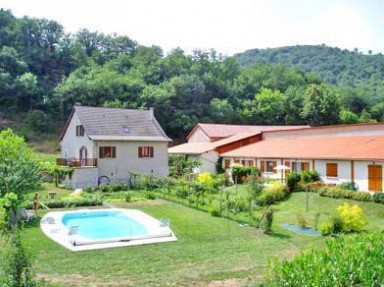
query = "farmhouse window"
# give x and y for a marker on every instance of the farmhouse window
(332, 170)
(79, 131)
(107, 152)
(270, 165)
(145, 151)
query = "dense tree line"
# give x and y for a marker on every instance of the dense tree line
(44, 72)
(360, 77)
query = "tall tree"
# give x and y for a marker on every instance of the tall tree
(321, 106)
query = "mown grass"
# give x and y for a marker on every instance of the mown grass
(208, 249)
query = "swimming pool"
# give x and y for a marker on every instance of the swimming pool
(105, 228)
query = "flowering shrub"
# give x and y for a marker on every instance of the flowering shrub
(272, 193)
(206, 179)
(353, 217)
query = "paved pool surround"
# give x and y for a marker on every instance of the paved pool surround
(52, 225)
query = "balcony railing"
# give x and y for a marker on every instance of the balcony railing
(76, 162)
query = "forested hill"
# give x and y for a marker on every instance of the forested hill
(44, 71)
(333, 65)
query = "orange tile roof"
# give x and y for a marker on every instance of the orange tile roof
(223, 131)
(197, 148)
(357, 147)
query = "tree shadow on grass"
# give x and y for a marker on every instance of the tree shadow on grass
(279, 235)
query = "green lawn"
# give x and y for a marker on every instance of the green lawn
(209, 249)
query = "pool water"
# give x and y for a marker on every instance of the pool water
(103, 224)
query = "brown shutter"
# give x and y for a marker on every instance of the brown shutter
(151, 151)
(113, 152)
(262, 166)
(227, 163)
(251, 163)
(305, 166)
(288, 164)
(243, 162)
(332, 170)
(273, 167)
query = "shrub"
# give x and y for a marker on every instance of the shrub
(378, 197)
(150, 195)
(104, 187)
(331, 226)
(206, 179)
(293, 179)
(214, 211)
(309, 176)
(361, 196)
(339, 192)
(316, 219)
(301, 220)
(271, 194)
(348, 185)
(326, 227)
(353, 217)
(127, 197)
(239, 172)
(266, 220)
(117, 186)
(318, 267)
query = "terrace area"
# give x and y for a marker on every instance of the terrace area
(77, 162)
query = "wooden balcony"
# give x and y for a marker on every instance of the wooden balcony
(76, 162)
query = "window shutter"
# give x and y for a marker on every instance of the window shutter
(113, 152)
(288, 164)
(332, 170)
(273, 167)
(305, 166)
(251, 163)
(262, 166)
(139, 151)
(227, 163)
(151, 151)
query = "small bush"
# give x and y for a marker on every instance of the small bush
(266, 220)
(309, 176)
(117, 186)
(214, 211)
(205, 179)
(326, 228)
(339, 192)
(346, 261)
(301, 220)
(240, 173)
(271, 194)
(316, 219)
(378, 197)
(293, 179)
(348, 185)
(127, 197)
(104, 187)
(353, 217)
(361, 196)
(150, 195)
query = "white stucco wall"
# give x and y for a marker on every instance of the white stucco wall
(343, 170)
(72, 143)
(83, 177)
(127, 159)
(208, 162)
(198, 136)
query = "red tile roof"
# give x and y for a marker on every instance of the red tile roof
(358, 147)
(197, 147)
(223, 131)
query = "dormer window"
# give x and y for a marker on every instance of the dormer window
(79, 131)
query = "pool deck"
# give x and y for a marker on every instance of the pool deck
(51, 224)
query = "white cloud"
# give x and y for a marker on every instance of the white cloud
(228, 25)
(342, 26)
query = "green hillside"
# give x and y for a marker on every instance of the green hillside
(348, 69)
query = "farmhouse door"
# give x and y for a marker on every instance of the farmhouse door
(375, 178)
(83, 156)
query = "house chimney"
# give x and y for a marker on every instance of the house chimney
(151, 114)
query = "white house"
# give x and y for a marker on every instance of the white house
(206, 142)
(106, 144)
(341, 155)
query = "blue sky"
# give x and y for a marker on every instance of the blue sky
(229, 26)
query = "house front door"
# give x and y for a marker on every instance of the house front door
(83, 156)
(375, 178)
